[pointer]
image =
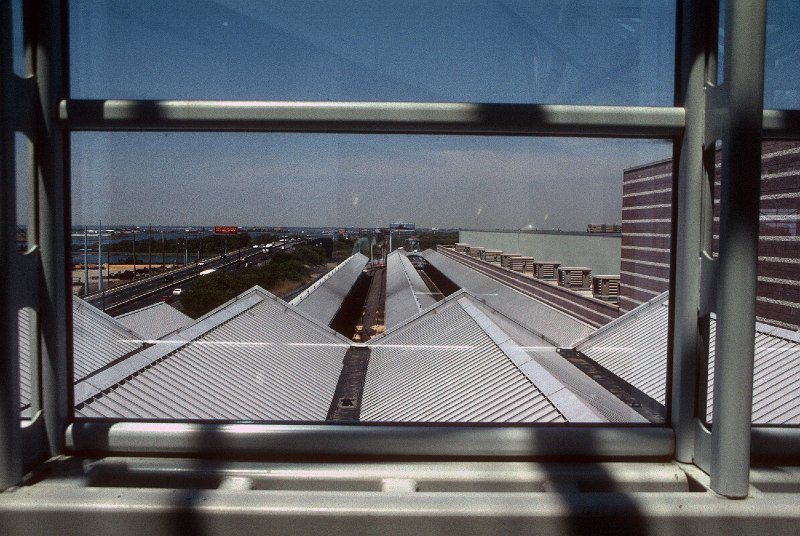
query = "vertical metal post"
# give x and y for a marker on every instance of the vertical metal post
(738, 246)
(10, 440)
(685, 294)
(50, 147)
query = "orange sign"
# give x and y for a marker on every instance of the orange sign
(226, 229)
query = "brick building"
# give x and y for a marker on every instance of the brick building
(646, 226)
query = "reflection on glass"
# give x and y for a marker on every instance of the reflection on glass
(782, 61)
(342, 278)
(614, 52)
(777, 345)
(22, 160)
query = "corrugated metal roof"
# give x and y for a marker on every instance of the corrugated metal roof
(587, 388)
(406, 292)
(24, 318)
(323, 299)
(256, 358)
(98, 341)
(155, 321)
(451, 363)
(554, 326)
(776, 374)
(634, 347)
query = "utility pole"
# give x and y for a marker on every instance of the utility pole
(163, 252)
(149, 250)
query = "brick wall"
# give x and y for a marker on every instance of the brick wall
(646, 209)
(646, 217)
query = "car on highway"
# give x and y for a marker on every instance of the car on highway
(177, 292)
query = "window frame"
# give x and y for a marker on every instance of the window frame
(702, 112)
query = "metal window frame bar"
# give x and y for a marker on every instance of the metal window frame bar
(62, 115)
(320, 440)
(10, 432)
(439, 118)
(742, 97)
(450, 118)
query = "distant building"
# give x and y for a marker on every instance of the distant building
(604, 228)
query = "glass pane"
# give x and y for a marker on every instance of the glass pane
(17, 44)
(777, 345)
(23, 153)
(782, 62)
(314, 277)
(614, 52)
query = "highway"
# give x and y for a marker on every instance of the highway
(148, 290)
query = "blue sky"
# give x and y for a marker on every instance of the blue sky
(616, 52)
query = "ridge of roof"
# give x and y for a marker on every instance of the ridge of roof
(444, 367)
(204, 325)
(430, 310)
(406, 292)
(156, 320)
(563, 399)
(568, 404)
(546, 322)
(85, 307)
(631, 315)
(297, 300)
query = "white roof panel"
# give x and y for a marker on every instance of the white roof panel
(556, 327)
(255, 358)
(451, 363)
(323, 299)
(155, 321)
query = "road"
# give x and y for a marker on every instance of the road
(149, 290)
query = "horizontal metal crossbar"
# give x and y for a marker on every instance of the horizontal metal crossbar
(373, 117)
(562, 442)
(781, 124)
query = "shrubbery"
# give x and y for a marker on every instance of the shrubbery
(215, 289)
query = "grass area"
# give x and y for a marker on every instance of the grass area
(285, 270)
